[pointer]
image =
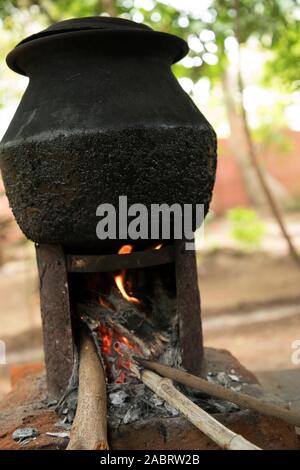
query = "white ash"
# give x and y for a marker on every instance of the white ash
(224, 379)
(131, 415)
(118, 398)
(157, 401)
(231, 381)
(219, 406)
(132, 401)
(236, 388)
(171, 409)
(234, 377)
(51, 403)
(141, 403)
(139, 389)
(223, 406)
(211, 374)
(63, 424)
(61, 435)
(25, 434)
(211, 379)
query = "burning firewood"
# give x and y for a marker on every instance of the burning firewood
(212, 428)
(121, 331)
(151, 345)
(89, 429)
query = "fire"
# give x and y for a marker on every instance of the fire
(106, 339)
(116, 351)
(104, 302)
(120, 282)
(120, 279)
(125, 249)
(157, 247)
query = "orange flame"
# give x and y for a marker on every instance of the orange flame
(104, 302)
(125, 249)
(157, 247)
(120, 278)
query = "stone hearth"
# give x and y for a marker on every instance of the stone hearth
(27, 405)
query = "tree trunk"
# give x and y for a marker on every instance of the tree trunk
(274, 208)
(239, 148)
(107, 6)
(251, 151)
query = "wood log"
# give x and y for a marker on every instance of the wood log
(212, 428)
(89, 429)
(218, 391)
(152, 346)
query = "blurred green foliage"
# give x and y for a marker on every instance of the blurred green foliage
(208, 25)
(266, 21)
(246, 227)
(283, 68)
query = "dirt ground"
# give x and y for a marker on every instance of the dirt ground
(232, 280)
(251, 306)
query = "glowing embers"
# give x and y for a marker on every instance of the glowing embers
(116, 351)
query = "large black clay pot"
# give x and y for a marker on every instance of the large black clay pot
(102, 116)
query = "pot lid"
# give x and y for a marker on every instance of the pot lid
(99, 25)
(88, 23)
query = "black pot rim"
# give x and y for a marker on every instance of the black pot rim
(88, 22)
(177, 44)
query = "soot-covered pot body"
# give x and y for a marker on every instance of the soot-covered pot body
(102, 116)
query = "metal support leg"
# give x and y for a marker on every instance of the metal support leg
(189, 309)
(56, 317)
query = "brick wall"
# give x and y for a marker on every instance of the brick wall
(285, 166)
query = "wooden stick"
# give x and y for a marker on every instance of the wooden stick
(217, 432)
(154, 346)
(89, 429)
(241, 399)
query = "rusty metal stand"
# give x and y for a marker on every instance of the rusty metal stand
(54, 265)
(56, 317)
(188, 308)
